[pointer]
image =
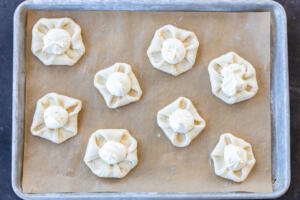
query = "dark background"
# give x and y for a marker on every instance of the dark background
(7, 8)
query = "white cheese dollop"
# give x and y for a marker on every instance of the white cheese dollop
(55, 117)
(173, 51)
(112, 152)
(56, 41)
(118, 84)
(233, 79)
(181, 121)
(235, 157)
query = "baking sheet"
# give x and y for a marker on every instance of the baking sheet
(112, 37)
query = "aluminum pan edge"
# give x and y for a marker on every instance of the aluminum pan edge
(279, 89)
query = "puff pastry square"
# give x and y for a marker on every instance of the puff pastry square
(55, 117)
(111, 153)
(118, 85)
(173, 50)
(57, 41)
(180, 122)
(232, 158)
(232, 78)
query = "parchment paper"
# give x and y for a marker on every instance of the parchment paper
(112, 37)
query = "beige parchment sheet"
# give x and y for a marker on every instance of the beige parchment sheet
(111, 37)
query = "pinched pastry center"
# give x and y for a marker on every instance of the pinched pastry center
(235, 157)
(112, 152)
(181, 121)
(55, 117)
(233, 82)
(118, 84)
(173, 51)
(56, 41)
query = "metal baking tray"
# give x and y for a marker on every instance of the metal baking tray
(279, 88)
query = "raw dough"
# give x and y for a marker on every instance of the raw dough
(57, 41)
(118, 85)
(180, 122)
(233, 158)
(232, 78)
(173, 50)
(55, 117)
(111, 153)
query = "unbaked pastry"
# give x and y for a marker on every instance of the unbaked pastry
(118, 85)
(232, 78)
(55, 117)
(57, 41)
(111, 153)
(233, 158)
(173, 50)
(180, 122)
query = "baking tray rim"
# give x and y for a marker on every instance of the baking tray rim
(279, 99)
